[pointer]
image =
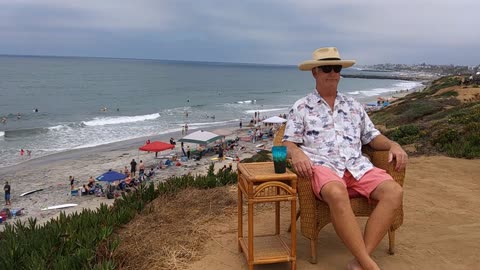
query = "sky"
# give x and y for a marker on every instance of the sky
(246, 31)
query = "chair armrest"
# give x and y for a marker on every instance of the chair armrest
(277, 140)
(379, 159)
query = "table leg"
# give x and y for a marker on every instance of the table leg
(293, 232)
(240, 216)
(250, 233)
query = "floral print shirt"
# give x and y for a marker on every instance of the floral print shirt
(332, 138)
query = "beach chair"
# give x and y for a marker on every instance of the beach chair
(315, 214)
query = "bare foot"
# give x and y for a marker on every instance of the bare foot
(354, 265)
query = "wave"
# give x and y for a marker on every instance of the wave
(24, 132)
(2, 134)
(208, 124)
(404, 85)
(102, 121)
(251, 101)
(267, 110)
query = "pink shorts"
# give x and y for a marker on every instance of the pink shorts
(366, 185)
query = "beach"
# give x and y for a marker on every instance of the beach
(51, 173)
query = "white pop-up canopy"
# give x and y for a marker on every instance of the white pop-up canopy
(274, 120)
(201, 137)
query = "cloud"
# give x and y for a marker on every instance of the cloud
(261, 31)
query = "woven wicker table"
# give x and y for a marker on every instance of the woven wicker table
(258, 183)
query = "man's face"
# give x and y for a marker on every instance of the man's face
(326, 79)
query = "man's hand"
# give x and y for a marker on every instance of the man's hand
(397, 152)
(301, 163)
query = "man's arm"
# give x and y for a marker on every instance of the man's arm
(300, 162)
(381, 142)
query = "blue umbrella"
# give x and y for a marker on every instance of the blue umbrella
(111, 176)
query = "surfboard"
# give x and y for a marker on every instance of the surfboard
(60, 206)
(30, 192)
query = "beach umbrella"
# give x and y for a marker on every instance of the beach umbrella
(156, 146)
(201, 137)
(111, 176)
(275, 120)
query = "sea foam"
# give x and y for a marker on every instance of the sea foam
(102, 121)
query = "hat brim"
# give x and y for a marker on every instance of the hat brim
(310, 64)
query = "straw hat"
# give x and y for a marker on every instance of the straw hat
(325, 57)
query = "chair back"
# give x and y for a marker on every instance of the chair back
(279, 135)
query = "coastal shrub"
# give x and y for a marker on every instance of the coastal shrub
(418, 109)
(444, 82)
(176, 183)
(406, 113)
(450, 93)
(404, 134)
(468, 114)
(468, 146)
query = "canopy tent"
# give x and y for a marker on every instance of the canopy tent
(156, 146)
(201, 137)
(223, 131)
(111, 176)
(274, 120)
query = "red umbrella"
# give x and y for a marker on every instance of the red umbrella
(156, 146)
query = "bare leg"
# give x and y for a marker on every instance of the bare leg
(389, 195)
(345, 224)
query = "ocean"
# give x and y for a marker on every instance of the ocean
(55, 104)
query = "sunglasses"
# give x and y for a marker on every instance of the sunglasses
(328, 69)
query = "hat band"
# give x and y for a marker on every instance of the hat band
(326, 59)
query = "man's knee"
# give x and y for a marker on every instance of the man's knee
(392, 193)
(334, 193)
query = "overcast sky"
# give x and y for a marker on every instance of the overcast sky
(247, 31)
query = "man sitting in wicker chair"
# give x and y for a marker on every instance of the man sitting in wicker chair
(324, 135)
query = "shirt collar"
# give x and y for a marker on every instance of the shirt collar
(317, 98)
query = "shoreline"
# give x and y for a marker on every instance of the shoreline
(51, 173)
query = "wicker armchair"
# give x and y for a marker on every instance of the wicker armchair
(315, 214)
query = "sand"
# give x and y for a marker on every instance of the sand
(441, 229)
(51, 173)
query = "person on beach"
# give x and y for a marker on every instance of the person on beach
(188, 152)
(6, 190)
(72, 182)
(22, 152)
(141, 168)
(91, 182)
(133, 167)
(324, 135)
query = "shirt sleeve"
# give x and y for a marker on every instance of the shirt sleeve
(369, 132)
(295, 126)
